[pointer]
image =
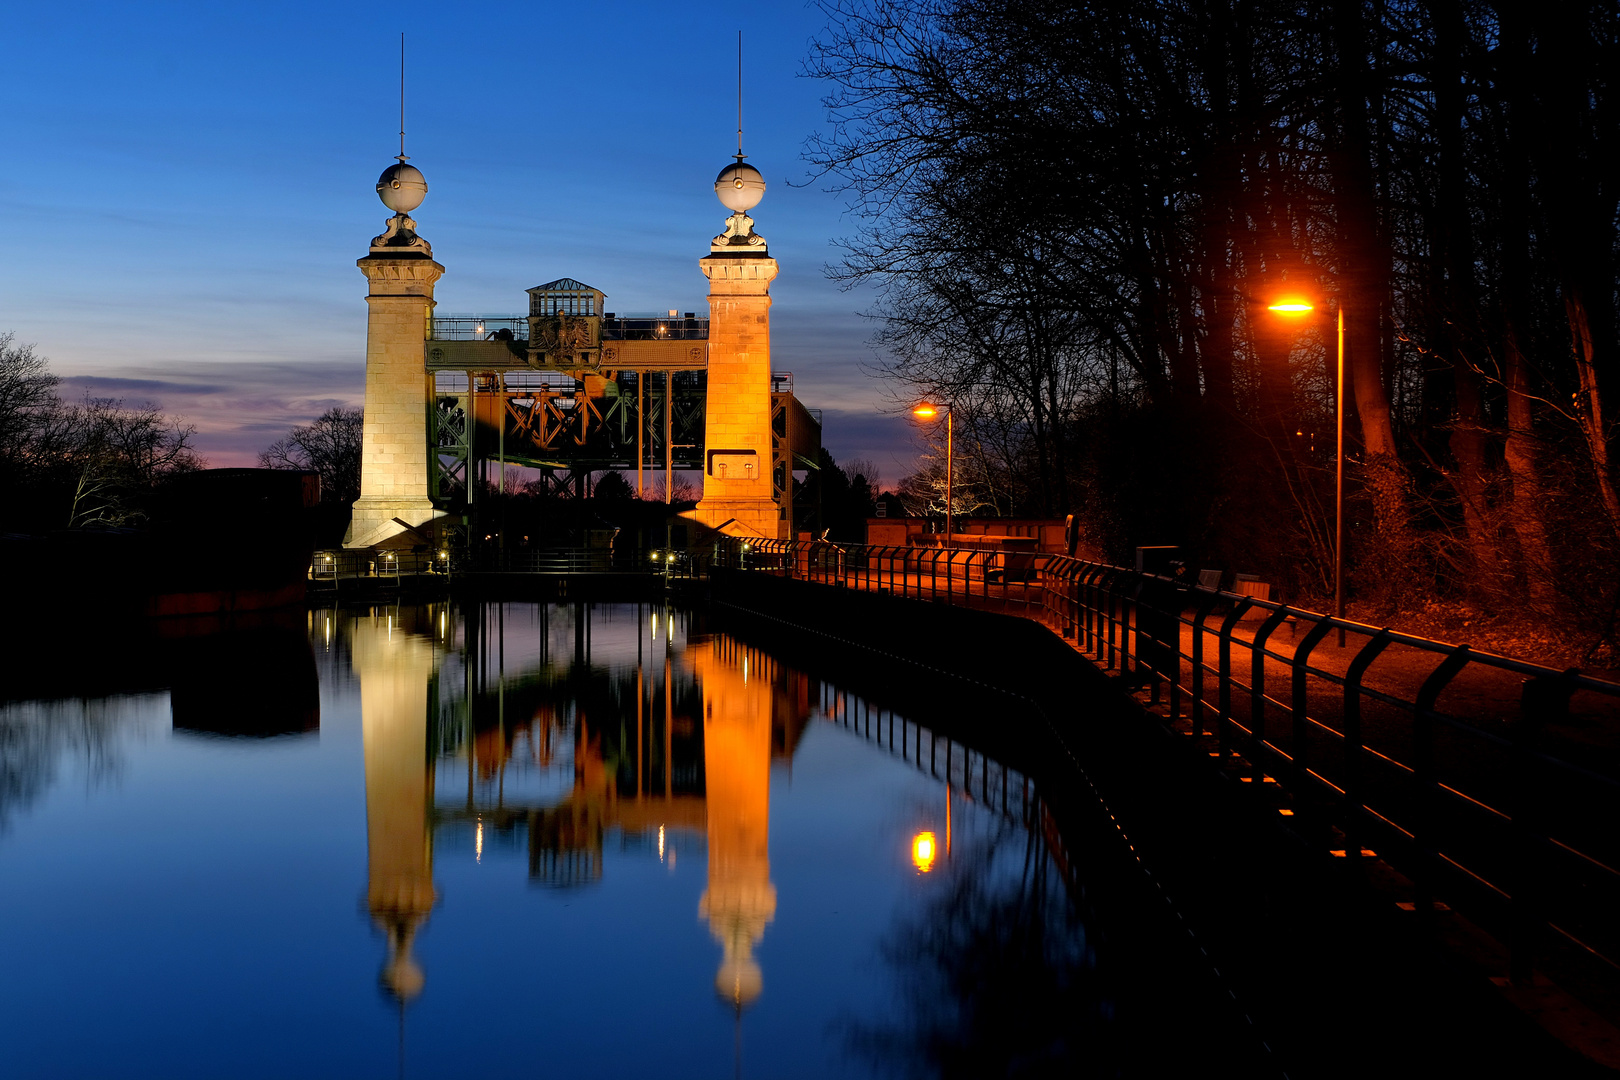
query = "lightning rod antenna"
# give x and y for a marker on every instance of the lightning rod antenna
(740, 154)
(402, 157)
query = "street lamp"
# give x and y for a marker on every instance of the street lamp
(927, 411)
(1293, 307)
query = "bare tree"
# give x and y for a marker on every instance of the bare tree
(331, 446)
(27, 395)
(115, 453)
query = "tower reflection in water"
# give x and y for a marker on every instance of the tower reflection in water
(740, 899)
(395, 667)
(664, 743)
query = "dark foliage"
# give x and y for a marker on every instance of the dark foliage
(1077, 213)
(844, 499)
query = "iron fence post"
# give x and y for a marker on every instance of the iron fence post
(1355, 799)
(1300, 704)
(1257, 687)
(1104, 590)
(1543, 700)
(1425, 782)
(1205, 606)
(1092, 610)
(1223, 716)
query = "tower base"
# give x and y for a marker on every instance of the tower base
(756, 518)
(374, 520)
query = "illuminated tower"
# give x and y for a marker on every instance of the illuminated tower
(740, 899)
(394, 668)
(394, 454)
(737, 485)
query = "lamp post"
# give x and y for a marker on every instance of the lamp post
(927, 411)
(1294, 307)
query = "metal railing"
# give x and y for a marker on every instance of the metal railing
(331, 567)
(461, 327)
(672, 563)
(654, 328)
(1483, 779)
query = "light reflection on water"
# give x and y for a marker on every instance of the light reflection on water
(588, 840)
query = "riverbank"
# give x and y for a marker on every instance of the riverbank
(1337, 978)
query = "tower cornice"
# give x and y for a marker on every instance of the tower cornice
(738, 273)
(410, 276)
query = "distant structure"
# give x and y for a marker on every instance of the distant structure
(570, 389)
(736, 479)
(394, 449)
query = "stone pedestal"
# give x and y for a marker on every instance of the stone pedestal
(394, 462)
(737, 492)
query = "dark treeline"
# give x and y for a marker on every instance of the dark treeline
(1077, 213)
(96, 462)
(842, 497)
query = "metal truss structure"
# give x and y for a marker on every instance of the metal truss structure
(569, 390)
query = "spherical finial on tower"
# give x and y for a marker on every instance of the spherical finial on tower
(403, 187)
(739, 187)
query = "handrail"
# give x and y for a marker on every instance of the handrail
(1488, 811)
(329, 568)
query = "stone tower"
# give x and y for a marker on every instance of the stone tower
(737, 493)
(394, 456)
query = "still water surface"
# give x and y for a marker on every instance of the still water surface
(521, 839)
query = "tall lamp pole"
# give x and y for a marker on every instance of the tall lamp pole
(928, 411)
(1338, 488)
(1297, 307)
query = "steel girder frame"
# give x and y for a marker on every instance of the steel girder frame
(551, 426)
(448, 427)
(795, 445)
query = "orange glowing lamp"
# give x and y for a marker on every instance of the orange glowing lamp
(1292, 305)
(923, 850)
(925, 411)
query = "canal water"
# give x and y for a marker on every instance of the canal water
(529, 839)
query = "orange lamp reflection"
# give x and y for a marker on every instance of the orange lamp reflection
(923, 850)
(1291, 306)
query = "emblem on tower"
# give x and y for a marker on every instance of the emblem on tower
(565, 325)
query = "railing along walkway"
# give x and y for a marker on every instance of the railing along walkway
(1490, 782)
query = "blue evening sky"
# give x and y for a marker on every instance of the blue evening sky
(187, 187)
